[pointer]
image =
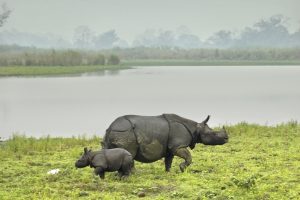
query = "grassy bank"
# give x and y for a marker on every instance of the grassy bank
(259, 162)
(53, 70)
(77, 70)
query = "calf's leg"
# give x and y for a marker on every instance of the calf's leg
(99, 171)
(126, 166)
(186, 155)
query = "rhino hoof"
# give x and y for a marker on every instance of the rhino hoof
(124, 177)
(182, 167)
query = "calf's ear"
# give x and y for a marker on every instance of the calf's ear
(85, 150)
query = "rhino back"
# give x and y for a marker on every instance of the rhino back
(120, 124)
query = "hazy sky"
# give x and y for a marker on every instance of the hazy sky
(131, 17)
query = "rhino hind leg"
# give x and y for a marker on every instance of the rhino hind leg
(186, 155)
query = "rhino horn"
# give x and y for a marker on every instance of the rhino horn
(206, 120)
(85, 150)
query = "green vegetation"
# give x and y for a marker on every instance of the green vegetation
(43, 57)
(259, 162)
(54, 71)
(113, 60)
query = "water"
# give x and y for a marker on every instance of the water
(66, 106)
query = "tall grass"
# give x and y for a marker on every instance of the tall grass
(20, 144)
(42, 57)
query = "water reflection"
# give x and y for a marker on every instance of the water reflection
(109, 72)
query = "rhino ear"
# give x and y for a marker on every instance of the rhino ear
(206, 120)
(85, 150)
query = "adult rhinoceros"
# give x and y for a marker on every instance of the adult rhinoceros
(150, 138)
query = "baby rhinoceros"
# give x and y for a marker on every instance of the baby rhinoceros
(107, 160)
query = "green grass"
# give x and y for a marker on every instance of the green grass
(259, 162)
(53, 70)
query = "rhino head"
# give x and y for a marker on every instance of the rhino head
(84, 160)
(208, 136)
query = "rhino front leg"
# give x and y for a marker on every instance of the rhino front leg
(186, 155)
(168, 161)
(99, 171)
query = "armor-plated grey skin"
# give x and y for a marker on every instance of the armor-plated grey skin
(107, 160)
(150, 138)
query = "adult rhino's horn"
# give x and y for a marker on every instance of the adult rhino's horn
(206, 120)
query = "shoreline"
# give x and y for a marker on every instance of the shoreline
(179, 62)
(27, 71)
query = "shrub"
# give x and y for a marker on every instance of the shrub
(113, 60)
(99, 60)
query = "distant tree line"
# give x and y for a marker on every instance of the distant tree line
(266, 33)
(41, 57)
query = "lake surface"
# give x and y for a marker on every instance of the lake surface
(87, 104)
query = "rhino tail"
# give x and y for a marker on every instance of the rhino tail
(104, 144)
(132, 167)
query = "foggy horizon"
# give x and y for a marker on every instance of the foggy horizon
(132, 18)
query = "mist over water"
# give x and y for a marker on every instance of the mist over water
(87, 104)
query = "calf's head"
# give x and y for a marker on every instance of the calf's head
(208, 136)
(84, 160)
